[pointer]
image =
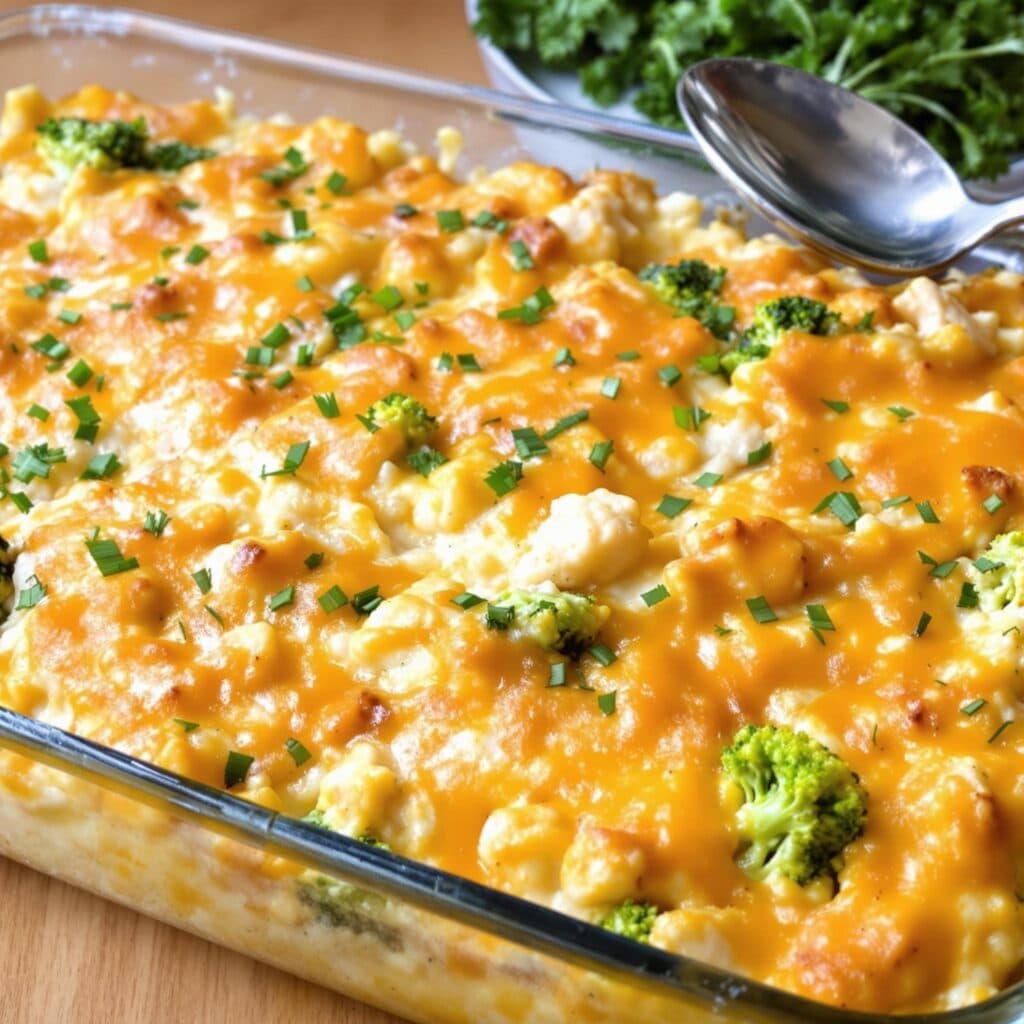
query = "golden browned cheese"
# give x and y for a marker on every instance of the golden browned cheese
(424, 727)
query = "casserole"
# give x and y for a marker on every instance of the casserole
(384, 951)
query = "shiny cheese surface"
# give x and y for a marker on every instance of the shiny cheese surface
(424, 727)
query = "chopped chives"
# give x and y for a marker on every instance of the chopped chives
(450, 220)
(600, 453)
(840, 470)
(926, 512)
(565, 423)
(992, 504)
(504, 477)
(603, 654)
(236, 768)
(759, 455)
(610, 387)
(707, 480)
(564, 357)
(426, 460)
(974, 706)
(333, 599)
(101, 466)
(837, 406)
(528, 444)
(156, 522)
(669, 375)
(655, 595)
(556, 674)
(108, 558)
(80, 374)
(670, 505)
(31, 595)
(283, 598)
(299, 754)
(761, 610)
(328, 405)
(689, 417)
(984, 564)
(365, 601)
(606, 702)
(819, 618)
(999, 732)
(466, 600)
(521, 257)
(922, 624)
(499, 616)
(388, 297)
(204, 581)
(468, 364)
(196, 255)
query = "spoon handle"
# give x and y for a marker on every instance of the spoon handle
(1009, 212)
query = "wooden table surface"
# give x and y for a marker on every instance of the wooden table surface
(70, 958)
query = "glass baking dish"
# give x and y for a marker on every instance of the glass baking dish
(411, 939)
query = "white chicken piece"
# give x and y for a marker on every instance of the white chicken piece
(929, 308)
(586, 539)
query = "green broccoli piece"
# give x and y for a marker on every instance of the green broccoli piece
(340, 905)
(110, 145)
(631, 919)
(692, 287)
(802, 804)
(102, 145)
(319, 818)
(559, 621)
(999, 572)
(771, 320)
(403, 412)
(775, 317)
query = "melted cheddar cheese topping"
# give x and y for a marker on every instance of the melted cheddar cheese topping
(225, 563)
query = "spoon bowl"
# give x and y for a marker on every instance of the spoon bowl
(841, 173)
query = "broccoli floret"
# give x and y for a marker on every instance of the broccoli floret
(558, 621)
(405, 413)
(631, 919)
(999, 572)
(319, 818)
(109, 145)
(802, 804)
(102, 145)
(790, 313)
(692, 287)
(339, 905)
(771, 320)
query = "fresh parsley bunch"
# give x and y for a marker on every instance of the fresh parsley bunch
(953, 69)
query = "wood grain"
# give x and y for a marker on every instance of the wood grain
(70, 958)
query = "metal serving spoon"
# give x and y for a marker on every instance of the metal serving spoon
(839, 172)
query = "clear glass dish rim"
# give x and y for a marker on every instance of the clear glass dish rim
(526, 924)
